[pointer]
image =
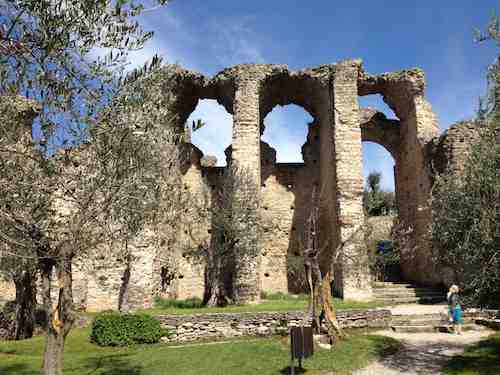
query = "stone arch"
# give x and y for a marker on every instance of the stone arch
(215, 135)
(190, 87)
(403, 92)
(302, 88)
(377, 128)
(284, 192)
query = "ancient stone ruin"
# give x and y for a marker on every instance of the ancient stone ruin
(332, 164)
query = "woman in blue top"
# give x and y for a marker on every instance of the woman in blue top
(455, 309)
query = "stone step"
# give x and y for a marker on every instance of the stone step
(421, 300)
(381, 285)
(433, 316)
(433, 328)
(408, 290)
(426, 322)
(409, 293)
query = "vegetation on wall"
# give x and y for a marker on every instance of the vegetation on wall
(220, 207)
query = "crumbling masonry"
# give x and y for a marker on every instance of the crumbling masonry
(332, 162)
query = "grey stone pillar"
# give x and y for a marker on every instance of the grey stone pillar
(245, 159)
(355, 283)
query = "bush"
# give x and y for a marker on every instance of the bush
(190, 303)
(114, 329)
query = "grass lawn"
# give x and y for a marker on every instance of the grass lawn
(480, 359)
(245, 356)
(277, 305)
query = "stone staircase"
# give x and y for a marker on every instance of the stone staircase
(395, 292)
(420, 323)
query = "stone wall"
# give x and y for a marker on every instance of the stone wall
(7, 291)
(449, 152)
(332, 165)
(404, 93)
(223, 325)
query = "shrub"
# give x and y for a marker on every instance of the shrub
(114, 329)
(190, 303)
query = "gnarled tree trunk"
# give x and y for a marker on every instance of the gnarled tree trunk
(320, 303)
(60, 317)
(25, 305)
(214, 295)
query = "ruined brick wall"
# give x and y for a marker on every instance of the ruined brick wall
(404, 93)
(276, 210)
(7, 291)
(450, 151)
(332, 165)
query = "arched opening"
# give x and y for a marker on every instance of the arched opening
(285, 164)
(380, 207)
(376, 159)
(376, 102)
(380, 131)
(211, 130)
(285, 130)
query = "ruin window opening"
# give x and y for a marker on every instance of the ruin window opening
(377, 159)
(285, 130)
(216, 134)
(377, 103)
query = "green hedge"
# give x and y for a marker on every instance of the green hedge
(114, 329)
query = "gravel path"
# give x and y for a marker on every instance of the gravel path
(423, 353)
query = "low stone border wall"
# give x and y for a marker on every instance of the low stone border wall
(490, 323)
(224, 325)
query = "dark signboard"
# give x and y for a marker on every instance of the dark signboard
(301, 342)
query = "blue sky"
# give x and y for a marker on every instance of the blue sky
(436, 36)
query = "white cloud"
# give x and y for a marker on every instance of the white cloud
(235, 43)
(456, 96)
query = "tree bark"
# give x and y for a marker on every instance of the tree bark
(321, 304)
(215, 283)
(25, 305)
(54, 354)
(59, 318)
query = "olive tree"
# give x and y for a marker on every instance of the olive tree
(466, 205)
(218, 207)
(104, 170)
(17, 192)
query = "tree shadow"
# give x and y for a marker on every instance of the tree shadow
(428, 358)
(287, 370)
(114, 364)
(15, 369)
(385, 346)
(483, 358)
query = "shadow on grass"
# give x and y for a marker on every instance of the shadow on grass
(481, 359)
(385, 346)
(114, 364)
(287, 370)
(369, 347)
(18, 368)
